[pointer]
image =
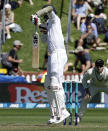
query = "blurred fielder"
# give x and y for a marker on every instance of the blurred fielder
(98, 77)
(52, 33)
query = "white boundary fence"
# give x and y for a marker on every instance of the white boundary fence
(67, 77)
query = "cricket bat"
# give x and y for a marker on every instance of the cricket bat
(35, 40)
(35, 50)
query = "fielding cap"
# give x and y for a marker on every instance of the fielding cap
(17, 42)
(7, 6)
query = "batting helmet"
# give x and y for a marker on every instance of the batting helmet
(99, 62)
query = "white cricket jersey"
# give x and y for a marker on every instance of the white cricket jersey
(55, 36)
(98, 80)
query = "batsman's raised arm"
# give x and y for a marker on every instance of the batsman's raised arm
(35, 18)
(44, 11)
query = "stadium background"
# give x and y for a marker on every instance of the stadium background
(35, 119)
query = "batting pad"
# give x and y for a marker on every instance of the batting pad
(59, 101)
(51, 100)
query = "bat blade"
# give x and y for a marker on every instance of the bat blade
(35, 51)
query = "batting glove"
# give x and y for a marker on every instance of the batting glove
(35, 20)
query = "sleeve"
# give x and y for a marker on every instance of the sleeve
(44, 11)
(85, 79)
(11, 53)
(53, 17)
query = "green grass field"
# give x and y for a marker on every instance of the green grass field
(36, 120)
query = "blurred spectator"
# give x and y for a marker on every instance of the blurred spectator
(49, 1)
(0, 20)
(80, 9)
(84, 58)
(99, 12)
(105, 2)
(96, 2)
(20, 2)
(87, 2)
(89, 32)
(14, 4)
(9, 19)
(9, 22)
(68, 66)
(106, 36)
(100, 19)
(82, 42)
(13, 58)
(1, 4)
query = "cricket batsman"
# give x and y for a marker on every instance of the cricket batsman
(56, 62)
(98, 77)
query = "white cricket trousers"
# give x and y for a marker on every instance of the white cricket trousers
(56, 63)
(55, 68)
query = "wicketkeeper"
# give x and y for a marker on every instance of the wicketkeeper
(56, 62)
(98, 82)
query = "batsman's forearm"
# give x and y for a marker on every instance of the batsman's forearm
(44, 11)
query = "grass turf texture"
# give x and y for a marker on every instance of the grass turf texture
(22, 17)
(35, 120)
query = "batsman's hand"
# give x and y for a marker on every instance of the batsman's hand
(35, 20)
(43, 28)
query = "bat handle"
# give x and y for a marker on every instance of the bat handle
(35, 28)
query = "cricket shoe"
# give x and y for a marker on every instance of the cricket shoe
(52, 120)
(65, 114)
